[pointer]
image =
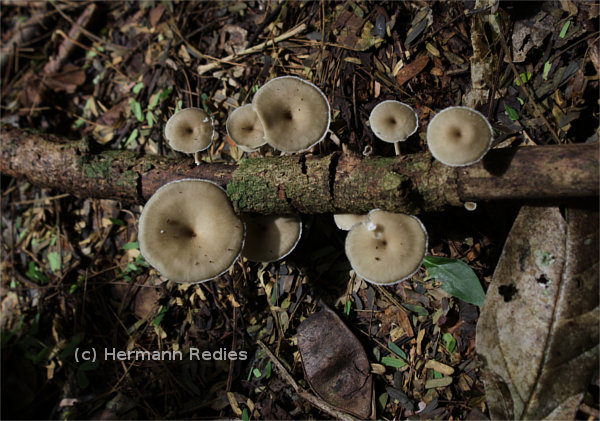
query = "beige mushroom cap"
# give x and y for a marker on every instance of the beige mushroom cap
(270, 237)
(387, 248)
(189, 130)
(245, 129)
(393, 121)
(189, 232)
(345, 221)
(459, 136)
(294, 113)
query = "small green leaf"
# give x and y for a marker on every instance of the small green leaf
(137, 110)
(396, 350)
(245, 416)
(161, 315)
(134, 245)
(117, 221)
(418, 310)
(132, 137)
(269, 370)
(520, 101)
(150, 119)
(437, 375)
(35, 274)
(512, 113)
(565, 28)
(547, 67)
(256, 372)
(392, 362)
(449, 342)
(54, 260)
(138, 88)
(347, 309)
(525, 77)
(457, 278)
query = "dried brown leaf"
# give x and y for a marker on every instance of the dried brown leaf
(538, 332)
(335, 364)
(411, 70)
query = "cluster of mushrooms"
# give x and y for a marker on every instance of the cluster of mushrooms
(189, 232)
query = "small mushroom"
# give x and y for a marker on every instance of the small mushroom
(270, 237)
(345, 221)
(393, 122)
(190, 130)
(245, 129)
(387, 247)
(189, 232)
(459, 136)
(294, 113)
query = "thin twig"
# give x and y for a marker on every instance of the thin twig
(314, 400)
(251, 50)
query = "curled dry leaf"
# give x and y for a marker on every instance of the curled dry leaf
(335, 363)
(538, 332)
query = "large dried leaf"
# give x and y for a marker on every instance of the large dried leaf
(335, 363)
(538, 332)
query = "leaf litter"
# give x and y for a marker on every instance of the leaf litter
(72, 275)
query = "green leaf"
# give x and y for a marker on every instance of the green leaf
(449, 342)
(420, 311)
(35, 274)
(547, 67)
(54, 260)
(256, 372)
(137, 110)
(132, 137)
(457, 278)
(245, 416)
(347, 309)
(396, 350)
(525, 77)
(134, 245)
(392, 362)
(512, 113)
(150, 119)
(160, 316)
(565, 28)
(117, 221)
(269, 370)
(138, 88)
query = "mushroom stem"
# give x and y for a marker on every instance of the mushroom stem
(397, 148)
(197, 158)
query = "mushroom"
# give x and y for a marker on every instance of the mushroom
(345, 221)
(245, 129)
(294, 113)
(459, 136)
(189, 232)
(387, 247)
(393, 122)
(269, 237)
(190, 130)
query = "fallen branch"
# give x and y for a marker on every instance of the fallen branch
(308, 184)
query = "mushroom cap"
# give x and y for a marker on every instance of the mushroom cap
(189, 130)
(245, 129)
(294, 113)
(270, 237)
(459, 136)
(345, 221)
(392, 252)
(393, 121)
(189, 232)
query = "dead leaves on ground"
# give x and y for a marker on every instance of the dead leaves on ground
(538, 333)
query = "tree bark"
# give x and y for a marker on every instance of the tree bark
(339, 183)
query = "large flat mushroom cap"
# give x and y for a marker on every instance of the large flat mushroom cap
(189, 130)
(392, 252)
(459, 136)
(294, 113)
(245, 129)
(270, 237)
(189, 232)
(393, 121)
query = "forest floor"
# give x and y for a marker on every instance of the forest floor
(72, 275)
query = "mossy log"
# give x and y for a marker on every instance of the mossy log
(309, 184)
